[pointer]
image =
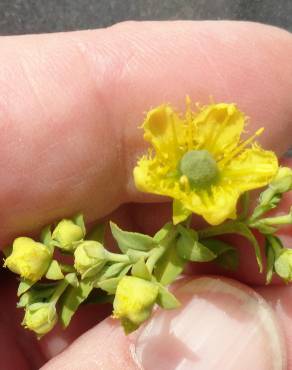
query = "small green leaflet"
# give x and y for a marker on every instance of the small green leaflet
(227, 256)
(71, 300)
(169, 267)
(79, 220)
(190, 249)
(97, 234)
(109, 285)
(270, 258)
(46, 236)
(163, 232)
(129, 240)
(166, 299)
(237, 228)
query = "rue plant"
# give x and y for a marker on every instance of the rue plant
(198, 160)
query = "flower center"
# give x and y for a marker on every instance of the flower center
(199, 167)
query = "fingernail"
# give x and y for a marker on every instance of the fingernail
(221, 324)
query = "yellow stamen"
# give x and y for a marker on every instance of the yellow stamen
(236, 151)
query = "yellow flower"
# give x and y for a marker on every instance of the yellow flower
(200, 161)
(29, 259)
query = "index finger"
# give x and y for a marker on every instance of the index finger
(70, 105)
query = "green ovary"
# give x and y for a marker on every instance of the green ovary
(199, 167)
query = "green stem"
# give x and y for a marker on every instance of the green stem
(116, 257)
(279, 220)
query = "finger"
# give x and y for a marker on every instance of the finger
(222, 324)
(280, 299)
(70, 105)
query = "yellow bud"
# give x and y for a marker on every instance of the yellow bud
(89, 254)
(134, 301)
(283, 264)
(29, 259)
(40, 317)
(66, 233)
(283, 180)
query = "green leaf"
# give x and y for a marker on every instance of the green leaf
(166, 299)
(129, 240)
(54, 271)
(140, 270)
(24, 286)
(227, 256)
(270, 257)
(72, 279)
(79, 220)
(109, 285)
(97, 233)
(234, 227)
(190, 249)
(169, 266)
(71, 300)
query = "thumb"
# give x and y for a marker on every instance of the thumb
(221, 324)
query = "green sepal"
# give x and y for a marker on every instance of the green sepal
(179, 212)
(24, 286)
(72, 279)
(227, 256)
(97, 233)
(130, 240)
(167, 300)
(79, 220)
(234, 227)
(109, 285)
(169, 266)
(71, 300)
(190, 249)
(140, 270)
(54, 271)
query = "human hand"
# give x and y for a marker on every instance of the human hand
(70, 105)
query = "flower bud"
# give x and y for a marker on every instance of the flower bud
(283, 264)
(66, 233)
(29, 259)
(89, 254)
(134, 301)
(40, 317)
(283, 180)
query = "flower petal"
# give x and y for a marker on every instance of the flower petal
(164, 130)
(214, 205)
(218, 128)
(252, 169)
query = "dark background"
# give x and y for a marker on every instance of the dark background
(37, 16)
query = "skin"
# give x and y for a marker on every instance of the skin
(70, 105)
